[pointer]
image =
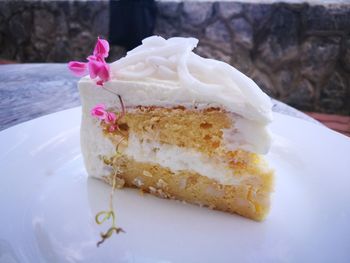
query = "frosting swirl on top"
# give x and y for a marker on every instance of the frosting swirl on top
(173, 61)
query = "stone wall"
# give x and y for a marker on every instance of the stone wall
(50, 31)
(297, 53)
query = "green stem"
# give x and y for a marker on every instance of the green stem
(106, 215)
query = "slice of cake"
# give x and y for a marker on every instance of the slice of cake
(178, 126)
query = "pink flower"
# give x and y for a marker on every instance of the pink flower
(98, 68)
(104, 72)
(101, 48)
(112, 128)
(96, 65)
(102, 114)
(110, 117)
(99, 111)
(99, 82)
(78, 68)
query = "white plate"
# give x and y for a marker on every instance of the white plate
(47, 204)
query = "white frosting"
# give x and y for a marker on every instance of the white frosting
(191, 78)
(94, 144)
(247, 135)
(178, 159)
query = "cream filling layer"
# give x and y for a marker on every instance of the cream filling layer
(179, 159)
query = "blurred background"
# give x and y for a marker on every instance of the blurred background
(297, 51)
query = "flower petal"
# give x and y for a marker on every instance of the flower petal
(104, 72)
(100, 106)
(78, 68)
(112, 128)
(99, 111)
(101, 48)
(110, 117)
(91, 58)
(94, 67)
(100, 82)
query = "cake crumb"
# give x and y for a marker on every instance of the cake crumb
(162, 194)
(155, 119)
(152, 190)
(206, 125)
(146, 173)
(161, 183)
(119, 182)
(182, 183)
(138, 182)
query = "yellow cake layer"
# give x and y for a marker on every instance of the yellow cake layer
(198, 129)
(250, 198)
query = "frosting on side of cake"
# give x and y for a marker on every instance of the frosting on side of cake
(172, 65)
(247, 135)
